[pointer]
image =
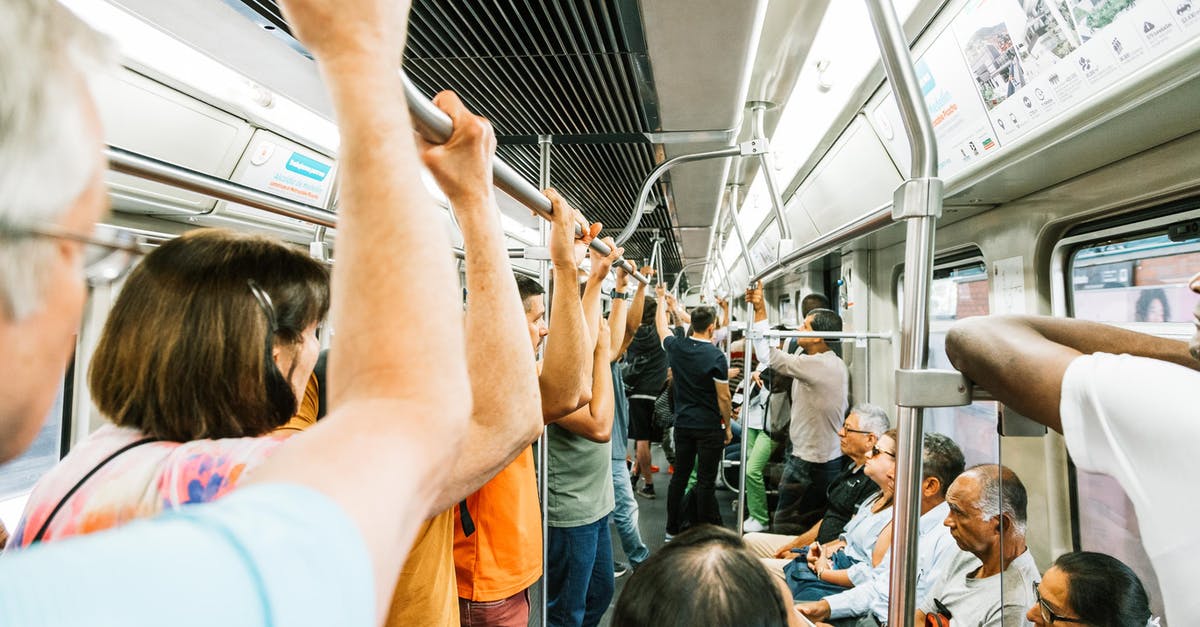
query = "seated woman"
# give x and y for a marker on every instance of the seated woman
(209, 347)
(850, 560)
(1092, 589)
(704, 576)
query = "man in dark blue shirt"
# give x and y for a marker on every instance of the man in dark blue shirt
(703, 406)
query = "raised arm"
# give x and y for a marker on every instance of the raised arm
(660, 313)
(601, 265)
(566, 377)
(594, 421)
(1021, 359)
(392, 424)
(636, 310)
(617, 317)
(507, 415)
(678, 310)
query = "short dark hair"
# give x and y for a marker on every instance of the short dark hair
(813, 301)
(649, 309)
(1102, 591)
(182, 356)
(705, 576)
(941, 458)
(703, 318)
(825, 320)
(528, 288)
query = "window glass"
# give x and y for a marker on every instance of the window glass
(18, 476)
(1141, 279)
(1137, 280)
(959, 292)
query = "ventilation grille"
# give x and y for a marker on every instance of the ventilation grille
(577, 71)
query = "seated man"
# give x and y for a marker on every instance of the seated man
(987, 520)
(865, 604)
(859, 435)
(1124, 402)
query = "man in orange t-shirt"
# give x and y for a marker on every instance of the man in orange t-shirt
(498, 529)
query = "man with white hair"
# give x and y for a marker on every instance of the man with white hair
(310, 542)
(991, 581)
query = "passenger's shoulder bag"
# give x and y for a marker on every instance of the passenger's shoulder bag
(664, 409)
(66, 497)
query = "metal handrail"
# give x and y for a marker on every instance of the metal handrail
(435, 126)
(830, 335)
(921, 219)
(639, 209)
(767, 167)
(675, 284)
(844, 234)
(737, 228)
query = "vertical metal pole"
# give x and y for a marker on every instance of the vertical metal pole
(919, 203)
(544, 144)
(748, 352)
(767, 162)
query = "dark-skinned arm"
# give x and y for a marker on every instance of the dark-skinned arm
(1021, 359)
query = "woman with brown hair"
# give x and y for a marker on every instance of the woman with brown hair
(207, 349)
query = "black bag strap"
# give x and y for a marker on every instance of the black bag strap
(46, 524)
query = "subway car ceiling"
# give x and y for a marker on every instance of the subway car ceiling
(1021, 103)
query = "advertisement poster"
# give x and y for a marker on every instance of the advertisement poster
(1004, 67)
(1030, 59)
(959, 120)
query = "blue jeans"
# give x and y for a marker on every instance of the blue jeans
(802, 499)
(803, 582)
(625, 514)
(579, 575)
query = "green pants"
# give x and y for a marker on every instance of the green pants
(759, 447)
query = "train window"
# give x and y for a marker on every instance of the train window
(1135, 280)
(959, 290)
(1139, 281)
(18, 476)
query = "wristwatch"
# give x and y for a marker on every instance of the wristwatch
(615, 294)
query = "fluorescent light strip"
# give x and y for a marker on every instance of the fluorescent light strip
(145, 46)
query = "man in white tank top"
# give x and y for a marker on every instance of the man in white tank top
(1126, 404)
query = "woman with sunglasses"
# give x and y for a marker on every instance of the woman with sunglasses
(208, 348)
(850, 560)
(1091, 589)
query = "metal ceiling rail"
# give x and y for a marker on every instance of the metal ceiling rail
(435, 126)
(844, 234)
(150, 169)
(639, 209)
(830, 335)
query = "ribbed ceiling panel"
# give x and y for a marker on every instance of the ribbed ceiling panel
(546, 67)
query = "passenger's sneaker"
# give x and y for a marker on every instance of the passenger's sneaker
(753, 526)
(653, 468)
(619, 569)
(646, 491)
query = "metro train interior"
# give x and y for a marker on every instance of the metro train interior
(733, 144)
